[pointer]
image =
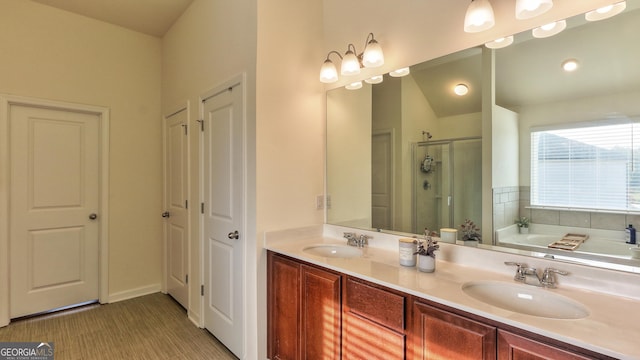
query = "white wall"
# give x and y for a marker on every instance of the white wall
(53, 54)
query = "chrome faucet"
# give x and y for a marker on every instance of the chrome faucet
(363, 240)
(354, 240)
(351, 237)
(547, 279)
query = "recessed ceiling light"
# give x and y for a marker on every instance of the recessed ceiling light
(570, 65)
(461, 89)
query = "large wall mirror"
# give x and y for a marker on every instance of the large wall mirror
(410, 153)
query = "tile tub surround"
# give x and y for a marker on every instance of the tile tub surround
(609, 295)
(602, 245)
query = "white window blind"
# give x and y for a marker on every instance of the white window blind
(589, 167)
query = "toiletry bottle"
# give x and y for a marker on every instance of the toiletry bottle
(630, 234)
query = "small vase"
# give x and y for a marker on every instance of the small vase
(523, 230)
(426, 263)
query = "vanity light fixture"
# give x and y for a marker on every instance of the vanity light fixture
(400, 72)
(354, 85)
(570, 65)
(375, 79)
(500, 43)
(527, 9)
(461, 89)
(549, 29)
(606, 12)
(479, 16)
(372, 56)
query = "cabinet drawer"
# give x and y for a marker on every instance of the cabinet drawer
(383, 307)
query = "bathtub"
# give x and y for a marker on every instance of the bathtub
(602, 245)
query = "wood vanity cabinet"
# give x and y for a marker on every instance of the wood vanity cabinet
(439, 334)
(373, 322)
(304, 317)
(515, 347)
(315, 313)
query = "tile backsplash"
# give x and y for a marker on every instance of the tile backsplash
(512, 202)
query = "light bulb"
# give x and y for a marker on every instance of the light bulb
(570, 65)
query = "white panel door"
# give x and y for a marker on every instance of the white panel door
(176, 194)
(223, 184)
(382, 180)
(54, 229)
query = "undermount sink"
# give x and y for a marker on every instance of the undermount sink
(333, 251)
(525, 299)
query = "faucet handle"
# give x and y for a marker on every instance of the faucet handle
(349, 235)
(521, 270)
(364, 240)
(548, 280)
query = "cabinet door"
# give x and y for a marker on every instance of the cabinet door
(439, 334)
(283, 303)
(321, 316)
(366, 340)
(515, 347)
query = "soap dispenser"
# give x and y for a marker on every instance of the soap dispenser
(630, 234)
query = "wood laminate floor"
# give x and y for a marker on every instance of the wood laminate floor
(148, 327)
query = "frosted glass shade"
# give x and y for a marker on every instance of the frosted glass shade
(527, 9)
(549, 29)
(400, 72)
(479, 16)
(375, 79)
(354, 85)
(328, 72)
(606, 12)
(350, 64)
(500, 43)
(373, 56)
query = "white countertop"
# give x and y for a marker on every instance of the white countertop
(612, 327)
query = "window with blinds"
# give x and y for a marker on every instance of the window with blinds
(593, 166)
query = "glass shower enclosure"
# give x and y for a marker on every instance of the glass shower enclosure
(447, 183)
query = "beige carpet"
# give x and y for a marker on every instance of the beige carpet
(149, 327)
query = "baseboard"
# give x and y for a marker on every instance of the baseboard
(195, 319)
(132, 293)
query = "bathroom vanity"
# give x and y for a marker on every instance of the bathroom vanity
(367, 306)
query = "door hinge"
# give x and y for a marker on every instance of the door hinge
(184, 126)
(201, 290)
(202, 208)
(186, 279)
(186, 204)
(201, 124)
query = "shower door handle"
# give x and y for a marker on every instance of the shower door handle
(449, 200)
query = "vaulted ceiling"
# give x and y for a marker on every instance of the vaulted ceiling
(152, 17)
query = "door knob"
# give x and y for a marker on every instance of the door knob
(234, 235)
(166, 214)
(93, 216)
